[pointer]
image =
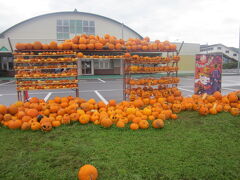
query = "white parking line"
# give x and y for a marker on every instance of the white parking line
(6, 83)
(62, 92)
(101, 80)
(47, 96)
(101, 97)
(186, 89)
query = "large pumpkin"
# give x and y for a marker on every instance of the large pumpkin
(14, 124)
(53, 45)
(87, 172)
(37, 45)
(20, 46)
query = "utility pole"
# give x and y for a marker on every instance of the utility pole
(239, 51)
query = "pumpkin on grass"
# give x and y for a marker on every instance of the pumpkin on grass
(120, 124)
(158, 123)
(87, 172)
(46, 126)
(134, 126)
(106, 122)
(14, 124)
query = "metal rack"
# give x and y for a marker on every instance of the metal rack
(158, 76)
(46, 62)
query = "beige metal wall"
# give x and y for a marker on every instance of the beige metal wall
(187, 63)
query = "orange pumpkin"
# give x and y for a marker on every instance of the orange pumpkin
(35, 126)
(158, 123)
(20, 46)
(106, 122)
(56, 123)
(3, 109)
(87, 172)
(84, 119)
(32, 112)
(120, 124)
(234, 111)
(14, 124)
(134, 126)
(143, 124)
(25, 126)
(13, 109)
(66, 119)
(37, 45)
(53, 45)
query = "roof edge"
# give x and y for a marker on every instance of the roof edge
(66, 12)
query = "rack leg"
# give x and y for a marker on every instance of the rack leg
(77, 92)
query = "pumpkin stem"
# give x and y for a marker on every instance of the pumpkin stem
(204, 96)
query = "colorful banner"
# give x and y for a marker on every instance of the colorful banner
(208, 73)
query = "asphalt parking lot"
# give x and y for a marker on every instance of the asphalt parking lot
(105, 89)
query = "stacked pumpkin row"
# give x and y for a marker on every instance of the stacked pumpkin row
(41, 82)
(46, 86)
(40, 74)
(150, 69)
(44, 67)
(91, 42)
(153, 81)
(45, 60)
(140, 113)
(45, 53)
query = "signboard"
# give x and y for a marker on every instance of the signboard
(208, 73)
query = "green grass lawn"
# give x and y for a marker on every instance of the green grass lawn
(192, 147)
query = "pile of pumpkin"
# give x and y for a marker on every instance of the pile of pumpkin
(107, 42)
(139, 113)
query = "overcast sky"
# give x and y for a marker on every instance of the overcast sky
(196, 21)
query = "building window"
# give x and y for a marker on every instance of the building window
(68, 28)
(219, 48)
(234, 54)
(62, 29)
(102, 64)
(227, 51)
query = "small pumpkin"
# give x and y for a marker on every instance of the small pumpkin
(134, 126)
(35, 126)
(234, 111)
(106, 122)
(143, 124)
(120, 124)
(56, 123)
(46, 126)
(25, 126)
(84, 119)
(158, 123)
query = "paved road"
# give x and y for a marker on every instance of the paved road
(104, 89)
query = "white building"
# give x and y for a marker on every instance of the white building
(58, 27)
(229, 53)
